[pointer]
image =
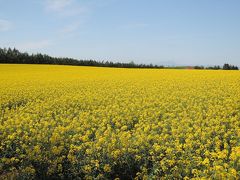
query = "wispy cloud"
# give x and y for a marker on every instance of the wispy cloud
(70, 16)
(5, 25)
(64, 8)
(57, 5)
(35, 45)
(71, 27)
(72, 11)
(135, 25)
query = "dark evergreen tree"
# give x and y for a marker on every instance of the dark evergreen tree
(14, 56)
(229, 67)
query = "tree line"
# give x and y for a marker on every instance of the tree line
(14, 56)
(225, 67)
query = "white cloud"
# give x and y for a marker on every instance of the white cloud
(57, 5)
(71, 27)
(5, 25)
(35, 45)
(64, 8)
(135, 26)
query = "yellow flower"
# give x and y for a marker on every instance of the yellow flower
(29, 170)
(107, 168)
(206, 162)
(163, 123)
(233, 172)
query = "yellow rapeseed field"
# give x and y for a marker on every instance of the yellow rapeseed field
(105, 123)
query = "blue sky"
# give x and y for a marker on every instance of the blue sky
(169, 32)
